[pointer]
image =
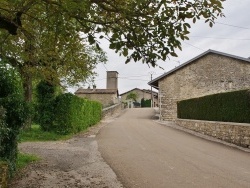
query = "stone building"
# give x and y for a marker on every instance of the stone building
(107, 97)
(209, 73)
(141, 93)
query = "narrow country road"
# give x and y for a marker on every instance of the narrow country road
(145, 154)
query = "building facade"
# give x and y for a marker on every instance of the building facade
(141, 94)
(209, 73)
(107, 97)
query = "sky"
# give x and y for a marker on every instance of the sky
(230, 34)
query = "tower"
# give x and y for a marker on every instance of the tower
(112, 80)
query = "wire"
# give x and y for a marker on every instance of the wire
(230, 25)
(137, 75)
(104, 66)
(133, 79)
(134, 76)
(218, 38)
(194, 46)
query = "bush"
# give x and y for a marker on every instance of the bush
(145, 102)
(73, 114)
(15, 116)
(14, 112)
(227, 107)
(45, 94)
(10, 80)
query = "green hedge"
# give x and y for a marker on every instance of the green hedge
(145, 102)
(14, 113)
(73, 114)
(227, 107)
(45, 94)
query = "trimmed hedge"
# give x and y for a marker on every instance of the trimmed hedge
(145, 102)
(73, 114)
(45, 94)
(226, 107)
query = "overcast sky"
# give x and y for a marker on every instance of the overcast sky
(230, 34)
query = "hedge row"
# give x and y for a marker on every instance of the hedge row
(14, 113)
(227, 107)
(73, 114)
(145, 102)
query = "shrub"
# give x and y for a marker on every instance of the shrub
(73, 114)
(10, 80)
(14, 112)
(145, 102)
(227, 107)
(15, 116)
(45, 94)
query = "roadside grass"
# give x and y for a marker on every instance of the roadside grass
(23, 159)
(35, 133)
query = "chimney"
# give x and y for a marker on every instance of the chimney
(112, 80)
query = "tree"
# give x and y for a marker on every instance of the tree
(50, 49)
(146, 30)
(132, 96)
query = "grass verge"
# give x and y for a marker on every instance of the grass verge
(37, 134)
(23, 159)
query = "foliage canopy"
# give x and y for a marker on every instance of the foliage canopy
(133, 96)
(146, 30)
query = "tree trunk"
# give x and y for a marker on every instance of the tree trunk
(27, 89)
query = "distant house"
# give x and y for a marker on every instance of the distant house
(209, 73)
(107, 97)
(141, 94)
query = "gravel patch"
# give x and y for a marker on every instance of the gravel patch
(72, 163)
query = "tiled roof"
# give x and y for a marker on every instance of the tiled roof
(143, 90)
(96, 91)
(154, 82)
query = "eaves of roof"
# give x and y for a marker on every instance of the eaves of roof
(142, 90)
(97, 91)
(130, 91)
(154, 82)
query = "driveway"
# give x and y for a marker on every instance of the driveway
(145, 154)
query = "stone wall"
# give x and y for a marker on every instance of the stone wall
(106, 99)
(210, 74)
(236, 133)
(112, 110)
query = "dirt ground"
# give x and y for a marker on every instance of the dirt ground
(71, 163)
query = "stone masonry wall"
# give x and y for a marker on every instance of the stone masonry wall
(236, 133)
(105, 98)
(112, 110)
(207, 75)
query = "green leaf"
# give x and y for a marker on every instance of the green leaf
(194, 20)
(91, 39)
(125, 52)
(173, 54)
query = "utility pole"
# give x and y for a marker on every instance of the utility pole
(152, 98)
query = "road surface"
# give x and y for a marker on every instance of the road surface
(145, 154)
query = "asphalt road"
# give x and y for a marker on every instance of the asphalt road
(145, 154)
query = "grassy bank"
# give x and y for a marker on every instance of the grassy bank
(37, 134)
(23, 159)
